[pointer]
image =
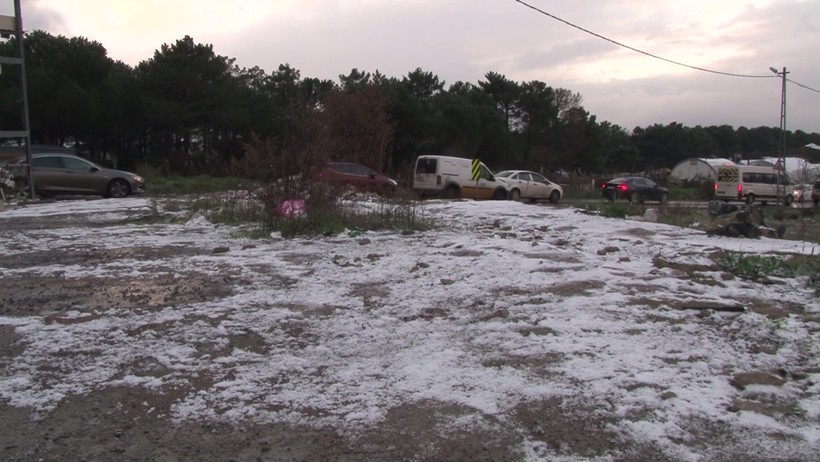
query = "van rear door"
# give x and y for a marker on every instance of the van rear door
(426, 176)
(728, 178)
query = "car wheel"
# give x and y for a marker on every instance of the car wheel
(750, 198)
(451, 192)
(664, 199)
(118, 188)
(555, 196)
(515, 195)
(788, 199)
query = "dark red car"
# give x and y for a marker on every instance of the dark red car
(360, 177)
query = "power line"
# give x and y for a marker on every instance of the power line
(731, 74)
(763, 76)
(803, 86)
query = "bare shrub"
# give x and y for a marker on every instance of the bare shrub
(277, 173)
(352, 127)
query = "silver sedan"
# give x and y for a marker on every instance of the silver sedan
(68, 174)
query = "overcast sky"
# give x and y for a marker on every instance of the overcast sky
(465, 39)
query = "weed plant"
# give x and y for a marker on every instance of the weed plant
(162, 185)
(684, 217)
(339, 215)
(229, 208)
(753, 266)
(621, 209)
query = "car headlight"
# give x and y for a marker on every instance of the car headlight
(138, 179)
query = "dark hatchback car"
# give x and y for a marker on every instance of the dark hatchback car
(68, 174)
(634, 188)
(359, 177)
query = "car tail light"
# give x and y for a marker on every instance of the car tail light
(716, 187)
(603, 185)
(623, 187)
(739, 188)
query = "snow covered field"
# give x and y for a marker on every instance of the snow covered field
(547, 333)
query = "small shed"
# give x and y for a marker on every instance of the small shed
(697, 169)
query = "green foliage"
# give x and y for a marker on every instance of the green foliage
(617, 209)
(753, 266)
(581, 194)
(332, 218)
(782, 213)
(75, 92)
(160, 185)
(695, 192)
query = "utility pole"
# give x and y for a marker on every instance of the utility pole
(781, 183)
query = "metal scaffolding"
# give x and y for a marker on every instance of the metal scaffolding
(13, 26)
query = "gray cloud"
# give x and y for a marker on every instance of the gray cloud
(38, 15)
(562, 53)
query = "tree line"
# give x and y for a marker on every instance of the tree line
(193, 111)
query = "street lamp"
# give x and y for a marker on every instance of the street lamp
(781, 193)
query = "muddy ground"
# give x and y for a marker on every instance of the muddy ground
(134, 423)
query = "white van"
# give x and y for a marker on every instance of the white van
(751, 183)
(452, 177)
